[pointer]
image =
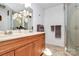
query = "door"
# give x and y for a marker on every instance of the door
(25, 50)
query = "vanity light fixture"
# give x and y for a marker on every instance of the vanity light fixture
(15, 16)
(27, 12)
(24, 11)
(30, 14)
(26, 20)
(19, 15)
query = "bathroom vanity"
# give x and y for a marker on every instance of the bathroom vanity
(16, 36)
(30, 44)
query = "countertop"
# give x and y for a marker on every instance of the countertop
(17, 35)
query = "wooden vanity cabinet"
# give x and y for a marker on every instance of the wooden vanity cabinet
(11, 53)
(39, 45)
(38, 48)
(32, 49)
(26, 50)
(32, 46)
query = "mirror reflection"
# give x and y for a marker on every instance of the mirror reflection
(23, 19)
(15, 16)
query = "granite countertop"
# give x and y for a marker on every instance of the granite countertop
(17, 35)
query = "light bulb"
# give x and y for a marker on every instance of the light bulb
(26, 20)
(24, 11)
(27, 12)
(30, 14)
(15, 15)
(19, 15)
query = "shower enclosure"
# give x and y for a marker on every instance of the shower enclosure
(72, 28)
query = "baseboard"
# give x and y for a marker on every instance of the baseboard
(61, 45)
(54, 45)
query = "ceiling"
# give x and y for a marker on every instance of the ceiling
(47, 5)
(15, 6)
(19, 6)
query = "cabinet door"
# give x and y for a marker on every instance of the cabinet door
(38, 48)
(9, 54)
(24, 51)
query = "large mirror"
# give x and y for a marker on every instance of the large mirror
(15, 16)
(23, 19)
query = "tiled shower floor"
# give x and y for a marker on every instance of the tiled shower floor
(56, 51)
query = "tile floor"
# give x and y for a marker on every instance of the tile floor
(56, 51)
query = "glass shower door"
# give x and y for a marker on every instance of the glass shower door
(77, 30)
(72, 42)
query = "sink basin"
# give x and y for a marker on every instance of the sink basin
(14, 35)
(4, 37)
